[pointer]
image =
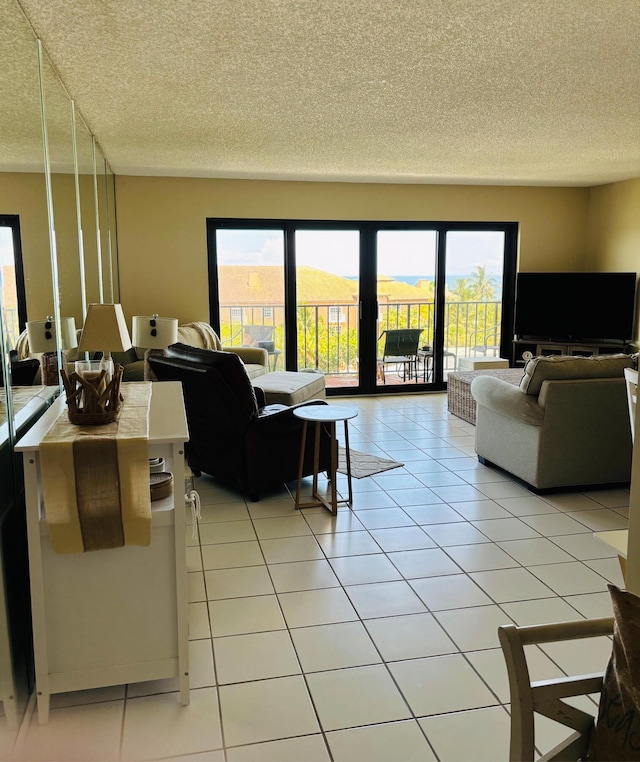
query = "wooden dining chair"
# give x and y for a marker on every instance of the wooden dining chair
(545, 696)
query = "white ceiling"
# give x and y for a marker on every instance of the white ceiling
(541, 92)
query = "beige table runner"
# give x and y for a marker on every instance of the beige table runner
(20, 397)
(95, 479)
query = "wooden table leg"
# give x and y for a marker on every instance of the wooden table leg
(348, 462)
(303, 443)
(333, 486)
(316, 459)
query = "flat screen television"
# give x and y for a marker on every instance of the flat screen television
(575, 306)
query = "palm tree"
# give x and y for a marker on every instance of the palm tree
(482, 284)
(463, 289)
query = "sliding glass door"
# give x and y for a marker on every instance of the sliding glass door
(375, 307)
(12, 278)
(406, 292)
(327, 267)
(250, 290)
(473, 296)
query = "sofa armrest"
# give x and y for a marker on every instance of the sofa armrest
(251, 355)
(506, 399)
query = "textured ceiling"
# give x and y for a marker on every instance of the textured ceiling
(454, 91)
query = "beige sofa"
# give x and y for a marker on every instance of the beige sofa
(566, 425)
(200, 335)
(279, 387)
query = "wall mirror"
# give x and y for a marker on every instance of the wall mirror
(59, 169)
(62, 199)
(21, 168)
(88, 289)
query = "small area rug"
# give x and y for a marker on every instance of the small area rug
(363, 464)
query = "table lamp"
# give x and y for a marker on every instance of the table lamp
(154, 334)
(93, 391)
(42, 339)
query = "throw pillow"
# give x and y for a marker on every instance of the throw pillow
(617, 732)
(566, 367)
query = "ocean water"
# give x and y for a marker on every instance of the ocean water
(450, 280)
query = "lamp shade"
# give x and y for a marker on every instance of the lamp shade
(42, 334)
(105, 329)
(153, 332)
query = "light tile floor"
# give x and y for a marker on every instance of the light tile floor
(370, 636)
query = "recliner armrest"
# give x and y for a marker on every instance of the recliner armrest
(251, 355)
(275, 418)
(506, 399)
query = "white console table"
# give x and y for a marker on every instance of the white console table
(116, 616)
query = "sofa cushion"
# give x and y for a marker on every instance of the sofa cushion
(567, 367)
(230, 367)
(291, 388)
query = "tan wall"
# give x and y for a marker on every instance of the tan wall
(613, 230)
(162, 225)
(23, 193)
(162, 228)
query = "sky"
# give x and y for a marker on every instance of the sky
(400, 252)
(6, 246)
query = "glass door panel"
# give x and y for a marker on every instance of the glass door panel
(9, 283)
(251, 290)
(406, 277)
(327, 309)
(473, 306)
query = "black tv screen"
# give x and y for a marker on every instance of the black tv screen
(575, 306)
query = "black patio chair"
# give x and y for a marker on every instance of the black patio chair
(262, 336)
(400, 348)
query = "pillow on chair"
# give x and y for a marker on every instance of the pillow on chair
(228, 364)
(617, 732)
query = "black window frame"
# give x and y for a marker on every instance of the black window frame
(368, 282)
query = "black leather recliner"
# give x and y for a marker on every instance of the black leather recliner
(233, 436)
(23, 372)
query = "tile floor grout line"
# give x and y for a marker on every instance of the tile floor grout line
(213, 656)
(439, 428)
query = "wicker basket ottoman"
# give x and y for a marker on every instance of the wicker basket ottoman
(459, 399)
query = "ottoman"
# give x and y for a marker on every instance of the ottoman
(481, 362)
(289, 388)
(459, 400)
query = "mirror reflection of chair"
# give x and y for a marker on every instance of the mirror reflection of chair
(23, 372)
(400, 348)
(262, 336)
(631, 381)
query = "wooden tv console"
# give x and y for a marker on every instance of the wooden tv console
(539, 347)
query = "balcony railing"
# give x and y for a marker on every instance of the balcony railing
(328, 335)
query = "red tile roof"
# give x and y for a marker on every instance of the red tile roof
(264, 285)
